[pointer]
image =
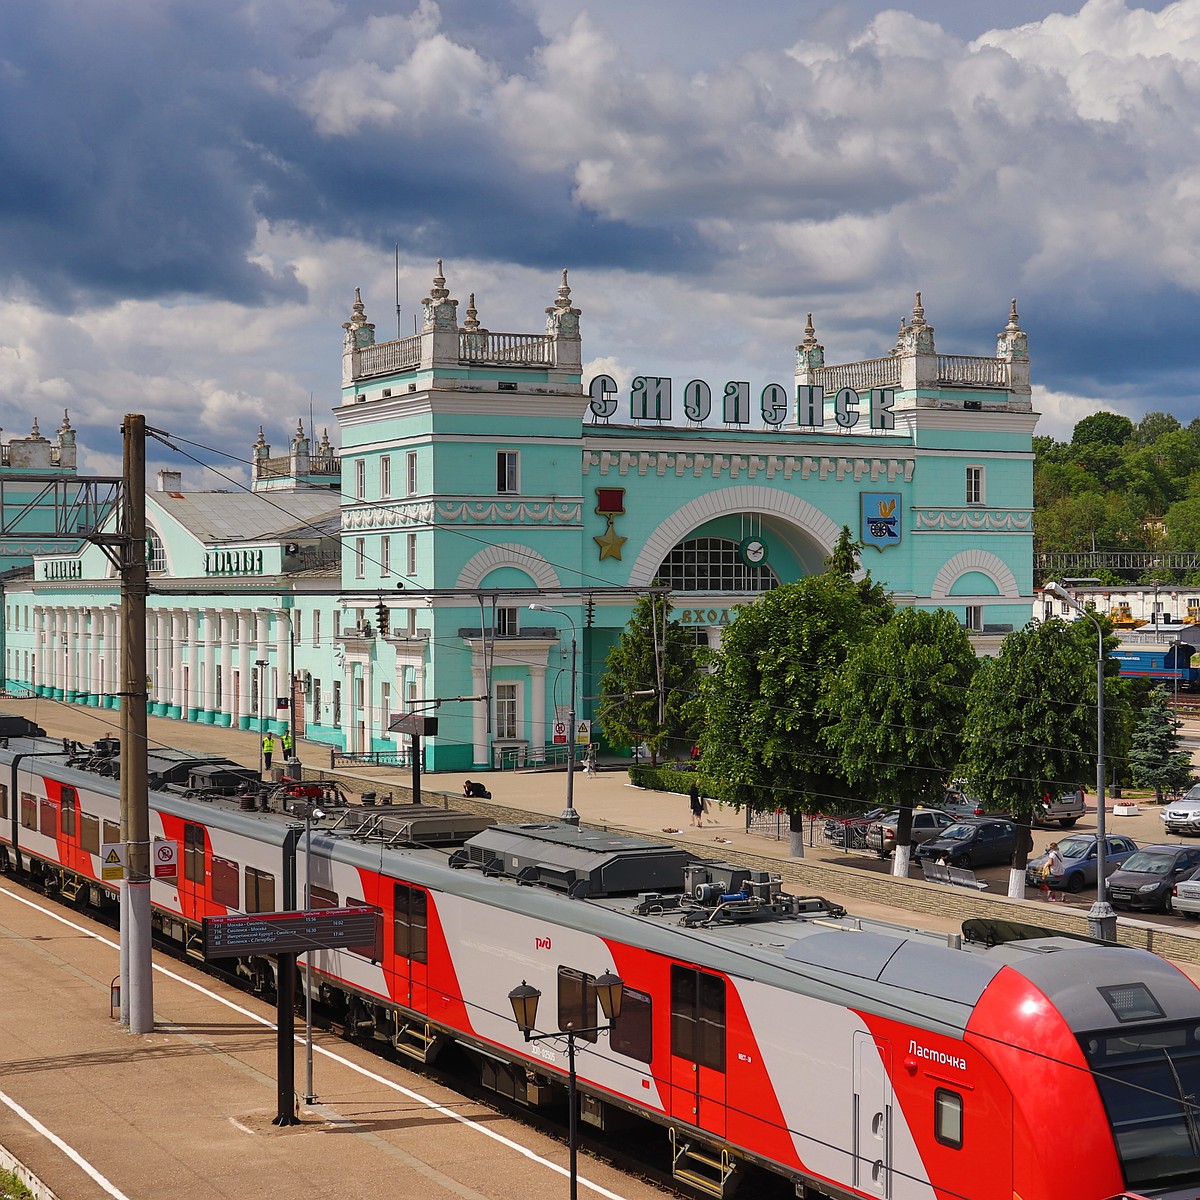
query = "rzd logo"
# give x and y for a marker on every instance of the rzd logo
(541, 943)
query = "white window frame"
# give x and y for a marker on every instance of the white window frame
(976, 484)
(508, 472)
(506, 622)
(410, 470)
(410, 555)
(385, 476)
(316, 627)
(360, 558)
(385, 555)
(360, 479)
(974, 618)
(508, 694)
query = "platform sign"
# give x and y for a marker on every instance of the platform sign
(560, 733)
(112, 860)
(583, 733)
(290, 932)
(165, 859)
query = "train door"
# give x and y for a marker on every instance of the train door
(411, 929)
(698, 1048)
(192, 881)
(872, 1131)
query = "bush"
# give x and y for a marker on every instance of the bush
(673, 779)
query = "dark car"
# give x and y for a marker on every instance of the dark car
(973, 842)
(1145, 879)
(1079, 861)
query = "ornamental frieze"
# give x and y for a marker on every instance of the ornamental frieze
(464, 511)
(972, 520)
(733, 466)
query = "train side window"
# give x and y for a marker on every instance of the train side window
(68, 811)
(29, 810)
(89, 833)
(372, 950)
(260, 891)
(632, 1031)
(319, 897)
(112, 832)
(49, 818)
(698, 1017)
(948, 1118)
(577, 1003)
(193, 853)
(225, 882)
(411, 923)
(3, 801)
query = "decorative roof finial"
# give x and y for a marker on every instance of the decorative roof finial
(918, 313)
(1013, 326)
(439, 291)
(564, 293)
(472, 321)
(262, 441)
(810, 333)
(35, 431)
(66, 422)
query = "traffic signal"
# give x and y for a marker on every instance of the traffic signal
(381, 618)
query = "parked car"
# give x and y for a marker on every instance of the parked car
(1183, 816)
(1065, 811)
(1185, 896)
(926, 823)
(973, 842)
(1147, 878)
(1079, 862)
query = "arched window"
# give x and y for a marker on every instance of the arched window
(156, 556)
(709, 564)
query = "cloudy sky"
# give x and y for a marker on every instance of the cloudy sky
(191, 190)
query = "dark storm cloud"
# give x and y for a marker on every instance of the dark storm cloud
(141, 146)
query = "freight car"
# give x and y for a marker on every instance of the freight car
(852, 1057)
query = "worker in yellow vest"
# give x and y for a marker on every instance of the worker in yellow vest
(268, 748)
(285, 742)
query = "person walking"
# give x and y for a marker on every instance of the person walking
(268, 748)
(1055, 866)
(697, 805)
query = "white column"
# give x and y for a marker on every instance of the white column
(209, 700)
(226, 702)
(282, 646)
(479, 715)
(162, 661)
(112, 651)
(368, 707)
(245, 667)
(88, 666)
(195, 698)
(348, 706)
(537, 707)
(178, 639)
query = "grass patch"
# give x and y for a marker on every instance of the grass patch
(11, 1188)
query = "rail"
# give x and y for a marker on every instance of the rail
(526, 349)
(964, 369)
(373, 758)
(384, 358)
(521, 758)
(862, 376)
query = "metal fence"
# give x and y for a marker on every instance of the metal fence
(373, 758)
(840, 833)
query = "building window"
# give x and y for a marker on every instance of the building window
(506, 471)
(360, 558)
(316, 628)
(411, 555)
(385, 476)
(316, 700)
(360, 479)
(506, 711)
(410, 468)
(506, 622)
(337, 703)
(974, 485)
(385, 555)
(710, 564)
(385, 705)
(975, 618)
(156, 556)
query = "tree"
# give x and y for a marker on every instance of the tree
(897, 708)
(1152, 426)
(846, 555)
(762, 710)
(651, 674)
(1155, 759)
(1031, 721)
(1103, 427)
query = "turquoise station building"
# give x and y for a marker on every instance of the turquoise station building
(480, 473)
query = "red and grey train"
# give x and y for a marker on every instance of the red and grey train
(852, 1057)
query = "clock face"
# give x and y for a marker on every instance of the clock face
(753, 551)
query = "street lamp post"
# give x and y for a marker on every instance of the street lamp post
(1102, 921)
(261, 665)
(524, 999)
(569, 816)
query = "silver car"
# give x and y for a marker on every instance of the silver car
(1184, 815)
(1185, 897)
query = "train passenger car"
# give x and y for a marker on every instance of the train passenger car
(852, 1057)
(1168, 663)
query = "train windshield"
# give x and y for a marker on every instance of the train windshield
(1149, 1079)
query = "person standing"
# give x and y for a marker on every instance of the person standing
(268, 748)
(1055, 866)
(285, 744)
(697, 805)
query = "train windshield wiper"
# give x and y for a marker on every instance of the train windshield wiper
(1188, 1102)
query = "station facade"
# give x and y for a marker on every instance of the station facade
(479, 473)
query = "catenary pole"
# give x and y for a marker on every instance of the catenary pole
(137, 991)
